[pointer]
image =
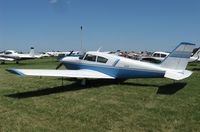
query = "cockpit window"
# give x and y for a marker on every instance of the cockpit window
(156, 55)
(7, 53)
(101, 59)
(82, 56)
(90, 57)
(163, 55)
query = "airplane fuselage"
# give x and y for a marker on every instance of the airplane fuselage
(115, 66)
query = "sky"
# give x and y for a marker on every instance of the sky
(132, 25)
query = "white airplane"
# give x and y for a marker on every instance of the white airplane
(100, 65)
(64, 53)
(11, 55)
(158, 57)
(196, 56)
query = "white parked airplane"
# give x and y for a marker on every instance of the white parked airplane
(11, 55)
(158, 57)
(107, 66)
(64, 53)
(196, 56)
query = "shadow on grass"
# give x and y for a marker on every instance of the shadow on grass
(195, 69)
(166, 89)
(171, 88)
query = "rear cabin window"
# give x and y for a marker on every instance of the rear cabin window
(102, 59)
(89, 57)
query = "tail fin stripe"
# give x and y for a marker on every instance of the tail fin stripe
(181, 55)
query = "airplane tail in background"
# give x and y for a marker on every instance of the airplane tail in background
(32, 53)
(197, 54)
(179, 57)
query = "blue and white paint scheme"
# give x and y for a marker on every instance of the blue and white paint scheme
(95, 64)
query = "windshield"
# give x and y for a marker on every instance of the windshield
(82, 56)
(90, 57)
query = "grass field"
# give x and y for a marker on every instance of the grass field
(43, 104)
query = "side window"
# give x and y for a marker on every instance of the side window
(89, 57)
(102, 59)
(163, 55)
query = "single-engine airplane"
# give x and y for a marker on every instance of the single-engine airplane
(99, 65)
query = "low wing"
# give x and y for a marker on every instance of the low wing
(6, 59)
(83, 73)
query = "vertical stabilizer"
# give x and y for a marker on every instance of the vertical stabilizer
(179, 57)
(32, 53)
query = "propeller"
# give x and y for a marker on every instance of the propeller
(61, 63)
(70, 53)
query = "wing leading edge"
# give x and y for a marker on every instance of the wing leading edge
(83, 73)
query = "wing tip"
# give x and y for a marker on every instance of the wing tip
(15, 71)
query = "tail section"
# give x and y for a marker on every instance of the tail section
(177, 61)
(32, 53)
(179, 57)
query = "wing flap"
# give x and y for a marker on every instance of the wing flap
(83, 73)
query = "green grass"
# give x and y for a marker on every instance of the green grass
(42, 104)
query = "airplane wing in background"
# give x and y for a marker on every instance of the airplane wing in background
(6, 59)
(83, 73)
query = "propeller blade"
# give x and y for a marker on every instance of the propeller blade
(59, 65)
(70, 53)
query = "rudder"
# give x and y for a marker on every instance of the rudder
(179, 57)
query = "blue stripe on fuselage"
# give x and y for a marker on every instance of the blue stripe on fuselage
(117, 72)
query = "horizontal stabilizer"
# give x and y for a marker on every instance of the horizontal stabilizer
(83, 73)
(177, 75)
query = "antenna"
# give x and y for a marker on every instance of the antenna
(81, 38)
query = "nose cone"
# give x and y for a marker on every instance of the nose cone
(69, 59)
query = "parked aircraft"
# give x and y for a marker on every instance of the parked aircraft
(61, 53)
(158, 57)
(196, 56)
(11, 55)
(108, 66)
